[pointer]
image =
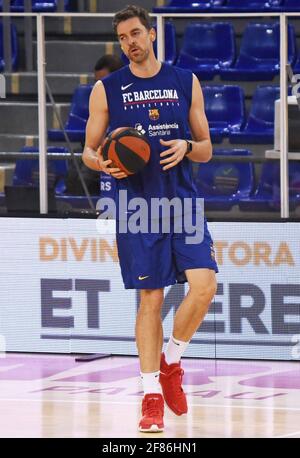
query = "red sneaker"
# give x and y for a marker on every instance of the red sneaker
(171, 379)
(153, 413)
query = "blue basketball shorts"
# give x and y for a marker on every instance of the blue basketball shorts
(156, 260)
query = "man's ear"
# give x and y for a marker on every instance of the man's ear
(152, 34)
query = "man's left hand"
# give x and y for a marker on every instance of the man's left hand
(177, 149)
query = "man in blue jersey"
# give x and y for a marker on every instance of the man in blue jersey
(164, 102)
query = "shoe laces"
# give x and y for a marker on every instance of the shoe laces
(152, 408)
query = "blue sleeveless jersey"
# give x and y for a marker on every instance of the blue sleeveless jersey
(159, 108)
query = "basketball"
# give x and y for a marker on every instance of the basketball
(127, 148)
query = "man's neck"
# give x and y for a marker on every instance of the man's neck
(145, 69)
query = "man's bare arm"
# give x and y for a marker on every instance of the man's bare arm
(202, 147)
(96, 126)
(95, 132)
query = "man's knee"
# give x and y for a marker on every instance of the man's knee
(204, 293)
(151, 300)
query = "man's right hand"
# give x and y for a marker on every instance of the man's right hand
(104, 167)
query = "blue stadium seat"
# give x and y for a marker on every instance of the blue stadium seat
(188, 6)
(207, 48)
(260, 124)
(27, 170)
(291, 5)
(170, 45)
(38, 6)
(267, 195)
(225, 110)
(78, 116)
(252, 5)
(223, 184)
(259, 53)
(14, 48)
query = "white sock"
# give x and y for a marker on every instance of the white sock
(150, 381)
(175, 349)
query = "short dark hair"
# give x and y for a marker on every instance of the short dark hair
(109, 61)
(132, 11)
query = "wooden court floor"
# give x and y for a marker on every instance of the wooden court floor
(54, 396)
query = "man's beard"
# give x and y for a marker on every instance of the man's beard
(141, 57)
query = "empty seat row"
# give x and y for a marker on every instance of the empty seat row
(229, 183)
(224, 107)
(222, 184)
(209, 49)
(38, 6)
(225, 111)
(213, 6)
(180, 6)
